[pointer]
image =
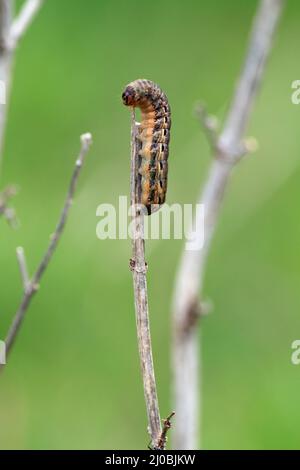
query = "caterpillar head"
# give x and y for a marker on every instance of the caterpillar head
(133, 94)
(129, 96)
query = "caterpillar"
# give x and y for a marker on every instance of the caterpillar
(154, 135)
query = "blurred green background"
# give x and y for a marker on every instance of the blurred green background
(73, 379)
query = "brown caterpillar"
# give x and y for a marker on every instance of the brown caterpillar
(154, 134)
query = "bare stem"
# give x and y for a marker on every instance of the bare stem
(21, 23)
(209, 124)
(189, 281)
(5, 210)
(139, 269)
(163, 436)
(5, 62)
(33, 285)
(23, 267)
(11, 31)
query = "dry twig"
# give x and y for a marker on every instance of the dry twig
(21, 23)
(189, 282)
(5, 210)
(11, 31)
(23, 267)
(31, 286)
(162, 441)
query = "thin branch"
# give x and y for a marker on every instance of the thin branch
(162, 441)
(11, 31)
(139, 269)
(8, 193)
(5, 21)
(23, 267)
(209, 123)
(5, 210)
(5, 62)
(189, 281)
(21, 23)
(33, 284)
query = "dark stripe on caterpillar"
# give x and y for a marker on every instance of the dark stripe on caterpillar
(154, 134)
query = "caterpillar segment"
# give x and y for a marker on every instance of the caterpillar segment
(154, 135)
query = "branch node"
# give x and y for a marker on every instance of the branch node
(250, 145)
(35, 287)
(86, 139)
(232, 154)
(209, 123)
(206, 307)
(138, 269)
(196, 310)
(9, 213)
(161, 443)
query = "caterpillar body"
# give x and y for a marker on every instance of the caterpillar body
(154, 135)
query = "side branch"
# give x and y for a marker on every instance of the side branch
(31, 286)
(228, 149)
(11, 31)
(21, 23)
(138, 267)
(5, 210)
(5, 63)
(161, 445)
